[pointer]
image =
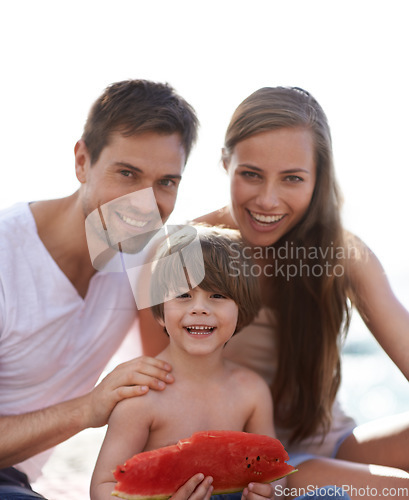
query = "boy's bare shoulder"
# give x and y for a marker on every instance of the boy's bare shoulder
(246, 378)
(144, 407)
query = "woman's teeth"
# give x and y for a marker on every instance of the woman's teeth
(266, 219)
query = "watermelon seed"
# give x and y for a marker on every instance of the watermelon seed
(248, 466)
(258, 458)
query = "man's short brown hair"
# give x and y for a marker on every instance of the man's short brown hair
(135, 106)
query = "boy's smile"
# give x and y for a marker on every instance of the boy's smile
(200, 321)
(200, 330)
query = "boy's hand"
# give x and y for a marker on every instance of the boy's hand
(197, 488)
(127, 380)
(258, 491)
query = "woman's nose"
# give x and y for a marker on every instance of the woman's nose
(268, 197)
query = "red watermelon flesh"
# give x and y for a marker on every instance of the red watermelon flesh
(233, 459)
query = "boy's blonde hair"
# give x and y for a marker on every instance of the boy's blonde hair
(221, 255)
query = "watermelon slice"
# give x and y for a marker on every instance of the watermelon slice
(232, 458)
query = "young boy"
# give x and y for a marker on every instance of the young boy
(209, 392)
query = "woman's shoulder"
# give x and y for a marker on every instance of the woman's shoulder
(364, 268)
(357, 252)
(221, 217)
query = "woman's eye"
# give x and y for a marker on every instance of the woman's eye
(294, 178)
(250, 174)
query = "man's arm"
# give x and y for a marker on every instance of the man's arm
(25, 435)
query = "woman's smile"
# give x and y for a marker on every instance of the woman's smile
(272, 178)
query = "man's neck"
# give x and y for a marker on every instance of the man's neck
(61, 228)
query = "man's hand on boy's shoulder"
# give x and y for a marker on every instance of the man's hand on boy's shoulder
(130, 379)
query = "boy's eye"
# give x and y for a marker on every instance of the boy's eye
(183, 296)
(218, 296)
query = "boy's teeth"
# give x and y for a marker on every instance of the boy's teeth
(199, 330)
(266, 219)
(133, 222)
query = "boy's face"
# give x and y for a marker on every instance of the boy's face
(200, 322)
(117, 183)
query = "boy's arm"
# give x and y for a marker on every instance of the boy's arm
(259, 395)
(260, 422)
(127, 435)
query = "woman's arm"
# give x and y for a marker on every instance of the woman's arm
(378, 306)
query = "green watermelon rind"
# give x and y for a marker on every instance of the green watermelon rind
(165, 497)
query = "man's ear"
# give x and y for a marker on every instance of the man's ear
(82, 161)
(225, 159)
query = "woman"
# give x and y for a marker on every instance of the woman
(286, 203)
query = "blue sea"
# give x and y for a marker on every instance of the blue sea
(372, 386)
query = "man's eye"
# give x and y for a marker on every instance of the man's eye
(167, 182)
(126, 173)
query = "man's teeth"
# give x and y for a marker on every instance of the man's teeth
(266, 219)
(200, 330)
(133, 222)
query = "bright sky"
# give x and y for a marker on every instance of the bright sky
(57, 57)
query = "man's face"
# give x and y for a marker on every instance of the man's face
(132, 187)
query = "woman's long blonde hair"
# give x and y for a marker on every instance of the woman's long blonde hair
(312, 309)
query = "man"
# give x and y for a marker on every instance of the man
(60, 319)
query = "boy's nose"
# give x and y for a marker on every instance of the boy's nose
(199, 307)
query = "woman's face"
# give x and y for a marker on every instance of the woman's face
(272, 178)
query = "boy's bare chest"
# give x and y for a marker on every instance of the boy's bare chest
(183, 411)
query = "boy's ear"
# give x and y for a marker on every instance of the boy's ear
(82, 161)
(161, 322)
